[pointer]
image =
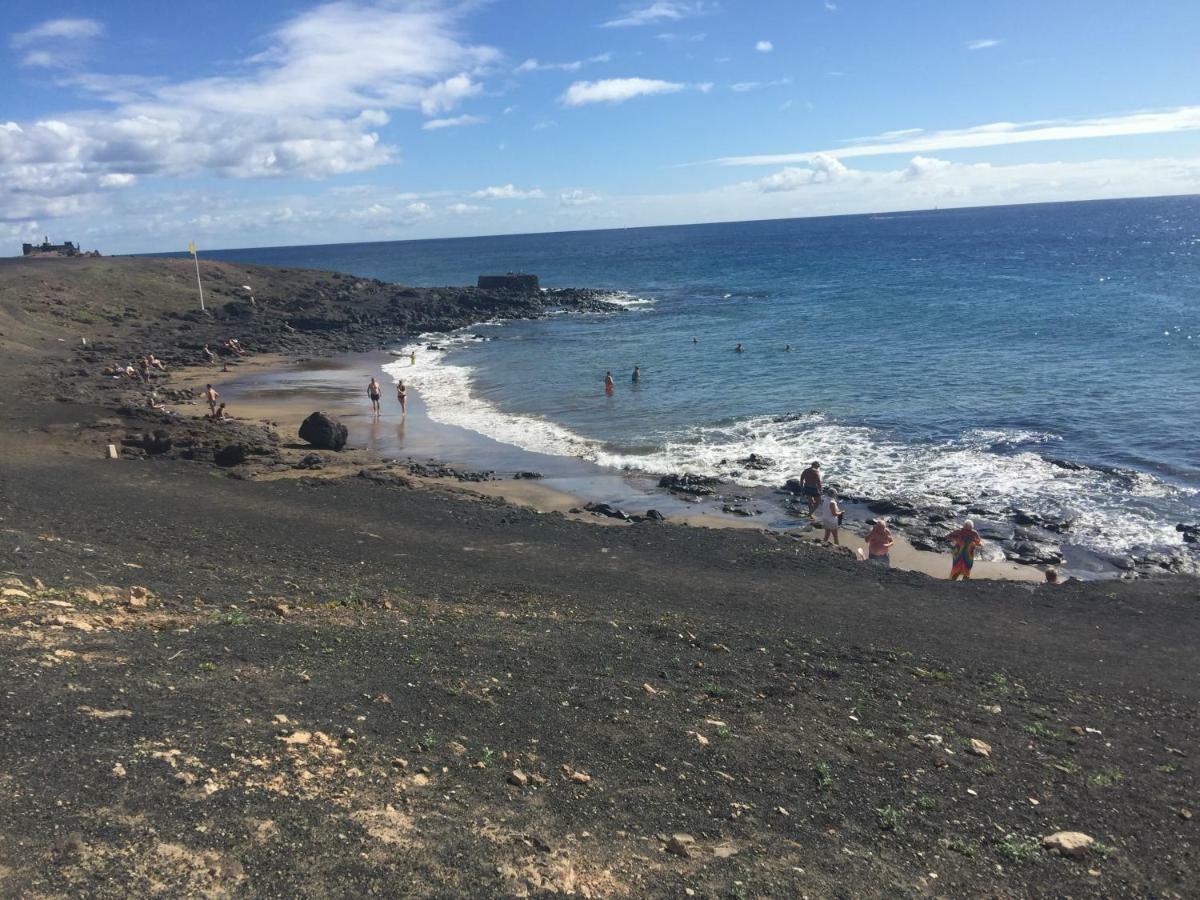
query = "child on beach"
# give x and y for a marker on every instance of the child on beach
(966, 541)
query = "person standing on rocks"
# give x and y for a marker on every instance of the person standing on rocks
(810, 486)
(879, 544)
(374, 393)
(966, 542)
(831, 517)
(608, 383)
(402, 397)
(211, 397)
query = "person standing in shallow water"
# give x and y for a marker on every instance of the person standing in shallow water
(637, 374)
(609, 385)
(374, 393)
(966, 542)
(402, 397)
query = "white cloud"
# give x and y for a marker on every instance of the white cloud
(822, 169)
(831, 6)
(507, 192)
(578, 197)
(660, 11)
(454, 122)
(915, 140)
(764, 46)
(533, 65)
(671, 37)
(617, 90)
(743, 87)
(308, 106)
(68, 29)
(463, 209)
(983, 44)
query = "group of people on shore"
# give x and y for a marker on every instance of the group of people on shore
(823, 506)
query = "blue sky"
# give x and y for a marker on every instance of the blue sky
(138, 126)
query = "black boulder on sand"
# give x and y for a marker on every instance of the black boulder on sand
(324, 432)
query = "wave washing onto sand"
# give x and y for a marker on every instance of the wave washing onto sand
(992, 469)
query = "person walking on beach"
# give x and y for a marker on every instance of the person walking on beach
(879, 544)
(966, 541)
(831, 517)
(402, 397)
(608, 383)
(637, 374)
(374, 393)
(210, 397)
(810, 486)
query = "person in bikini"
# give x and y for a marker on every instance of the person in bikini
(402, 397)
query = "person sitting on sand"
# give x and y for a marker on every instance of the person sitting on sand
(402, 396)
(219, 414)
(831, 517)
(609, 385)
(235, 346)
(810, 486)
(374, 393)
(879, 544)
(210, 397)
(966, 542)
(637, 373)
(157, 363)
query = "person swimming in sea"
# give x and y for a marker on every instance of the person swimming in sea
(966, 542)
(637, 374)
(738, 349)
(609, 385)
(787, 349)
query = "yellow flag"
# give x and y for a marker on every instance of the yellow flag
(192, 247)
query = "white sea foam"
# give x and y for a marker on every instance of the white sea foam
(983, 467)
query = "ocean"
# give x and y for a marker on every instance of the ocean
(1036, 360)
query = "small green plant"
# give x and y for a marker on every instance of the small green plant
(1106, 777)
(889, 818)
(234, 618)
(823, 775)
(1019, 849)
(959, 845)
(208, 667)
(488, 755)
(1167, 768)
(927, 803)
(414, 659)
(999, 684)
(1105, 850)
(932, 674)
(724, 732)
(1043, 731)
(714, 690)
(429, 739)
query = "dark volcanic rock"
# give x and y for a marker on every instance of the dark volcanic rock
(230, 455)
(604, 509)
(756, 462)
(1191, 533)
(324, 432)
(687, 483)
(312, 461)
(653, 515)
(529, 476)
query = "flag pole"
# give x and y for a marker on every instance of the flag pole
(199, 286)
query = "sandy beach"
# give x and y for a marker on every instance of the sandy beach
(227, 676)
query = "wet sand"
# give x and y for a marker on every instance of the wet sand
(283, 392)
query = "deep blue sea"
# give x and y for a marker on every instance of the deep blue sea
(1043, 357)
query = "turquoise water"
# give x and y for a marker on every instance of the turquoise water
(1045, 358)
